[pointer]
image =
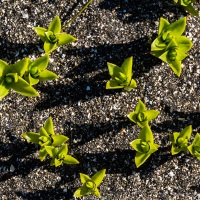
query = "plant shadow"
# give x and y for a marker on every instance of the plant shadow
(130, 11)
(93, 61)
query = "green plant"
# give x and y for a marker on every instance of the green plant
(11, 78)
(37, 71)
(60, 156)
(194, 148)
(121, 76)
(141, 115)
(53, 37)
(170, 46)
(90, 184)
(144, 146)
(187, 5)
(46, 137)
(180, 140)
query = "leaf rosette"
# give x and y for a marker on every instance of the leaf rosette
(194, 148)
(53, 37)
(37, 71)
(144, 146)
(90, 184)
(180, 140)
(141, 115)
(46, 137)
(121, 76)
(11, 78)
(60, 156)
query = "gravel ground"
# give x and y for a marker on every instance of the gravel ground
(92, 117)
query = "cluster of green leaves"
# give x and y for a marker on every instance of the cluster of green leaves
(48, 141)
(90, 184)
(121, 76)
(141, 115)
(144, 145)
(52, 36)
(187, 5)
(170, 46)
(180, 142)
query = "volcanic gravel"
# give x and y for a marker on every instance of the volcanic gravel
(95, 119)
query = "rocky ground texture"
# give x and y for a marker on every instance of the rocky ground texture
(95, 119)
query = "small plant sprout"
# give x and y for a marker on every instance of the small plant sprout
(46, 137)
(37, 71)
(144, 146)
(11, 78)
(170, 46)
(141, 115)
(180, 140)
(90, 184)
(53, 37)
(60, 156)
(121, 76)
(187, 5)
(194, 148)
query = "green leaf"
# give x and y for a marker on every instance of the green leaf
(51, 151)
(140, 158)
(184, 44)
(31, 137)
(146, 134)
(3, 66)
(4, 89)
(191, 10)
(176, 67)
(41, 33)
(22, 87)
(97, 193)
(164, 57)
(153, 148)
(177, 28)
(114, 70)
(70, 160)
(142, 124)
(132, 116)
(59, 139)
(98, 177)
(180, 55)
(82, 191)
(63, 149)
(48, 126)
(151, 114)
(158, 44)
(55, 25)
(41, 63)
(136, 145)
(43, 132)
(162, 25)
(43, 153)
(47, 75)
(48, 47)
(140, 107)
(57, 162)
(64, 38)
(20, 67)
(186, 132)
(133, 84)
(84, 178)
(112, 84)
(127, 68)
(31, 80)
(196, 142)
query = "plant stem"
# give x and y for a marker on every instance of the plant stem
(83, 8)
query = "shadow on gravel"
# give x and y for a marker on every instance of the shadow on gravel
(178, 122)
(140, 10)
(196, 188)
(13, 51)
(18, 152)
(93, 61)
(83, 133)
